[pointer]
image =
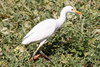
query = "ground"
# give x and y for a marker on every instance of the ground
(76, 44)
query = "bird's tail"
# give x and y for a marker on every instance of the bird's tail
(25, 42)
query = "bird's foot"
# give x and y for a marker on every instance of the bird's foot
(35, 57)
(44, 55)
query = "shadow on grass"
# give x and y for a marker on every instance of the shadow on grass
(51, 49)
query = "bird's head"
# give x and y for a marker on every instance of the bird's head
(70, 9)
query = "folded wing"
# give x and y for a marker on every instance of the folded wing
(41, 31)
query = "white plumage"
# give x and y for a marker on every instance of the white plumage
(46, 28)
(40, 32)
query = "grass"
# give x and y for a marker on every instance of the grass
(76, 44)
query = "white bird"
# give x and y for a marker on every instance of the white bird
(43, 30)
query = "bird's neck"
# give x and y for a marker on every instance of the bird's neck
(61, 19)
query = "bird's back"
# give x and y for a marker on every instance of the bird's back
(41, 31)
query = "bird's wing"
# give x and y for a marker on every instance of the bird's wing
(42, 30)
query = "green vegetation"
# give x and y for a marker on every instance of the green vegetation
(76, 44)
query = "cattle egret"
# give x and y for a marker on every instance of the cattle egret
(43, 30)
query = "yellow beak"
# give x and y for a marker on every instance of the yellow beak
(77, 12)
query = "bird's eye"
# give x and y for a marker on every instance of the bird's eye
(72, 9)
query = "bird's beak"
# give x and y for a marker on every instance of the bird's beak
(77, 12)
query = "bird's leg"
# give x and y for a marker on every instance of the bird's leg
(38, 47)
(44, 55)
